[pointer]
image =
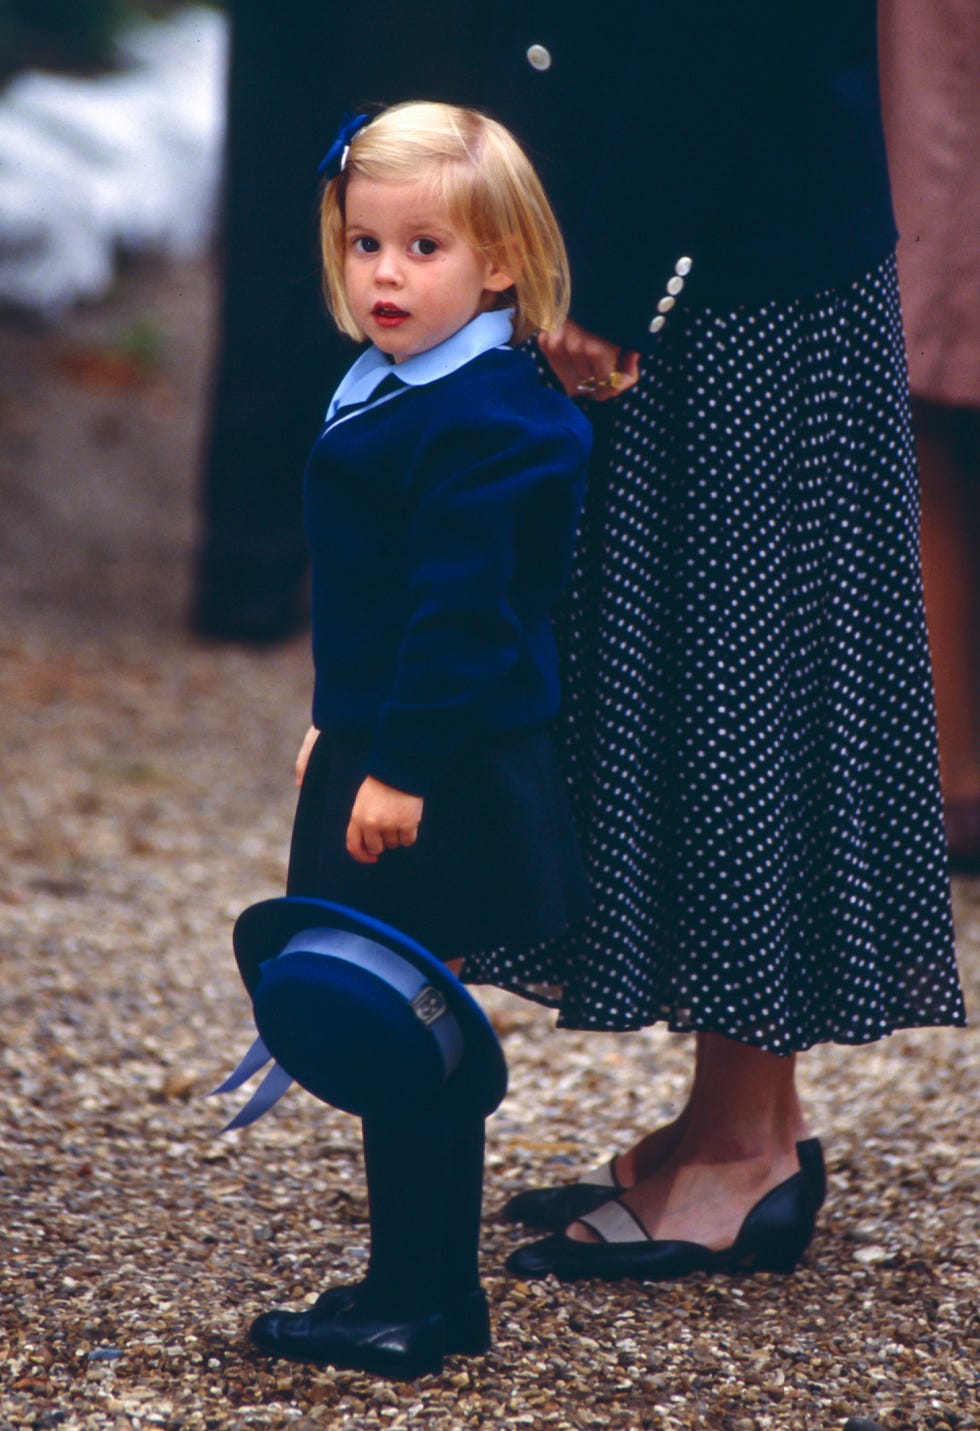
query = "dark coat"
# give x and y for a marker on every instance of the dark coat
(744, 135)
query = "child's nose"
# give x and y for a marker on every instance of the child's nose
(387, 269)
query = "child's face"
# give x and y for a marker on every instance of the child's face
(412, 280)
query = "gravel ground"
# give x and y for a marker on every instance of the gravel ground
(147, 799)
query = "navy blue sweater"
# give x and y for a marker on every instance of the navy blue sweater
(440, 523)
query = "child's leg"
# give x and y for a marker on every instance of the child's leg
(421, 1296)
(425, 1187)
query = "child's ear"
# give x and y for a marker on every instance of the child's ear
(497, 281)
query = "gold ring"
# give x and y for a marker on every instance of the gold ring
(594, 384)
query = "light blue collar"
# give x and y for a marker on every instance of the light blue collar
(485, 331)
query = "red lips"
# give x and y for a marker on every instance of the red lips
(388, 314)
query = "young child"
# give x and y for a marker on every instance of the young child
(441, 502)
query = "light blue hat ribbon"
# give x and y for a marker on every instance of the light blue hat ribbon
(426, 1002)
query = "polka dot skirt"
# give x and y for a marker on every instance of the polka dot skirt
(748, 724)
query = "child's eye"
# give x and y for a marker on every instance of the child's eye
(366, 244)
(423, 246)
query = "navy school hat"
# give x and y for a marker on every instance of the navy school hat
(360, 1015)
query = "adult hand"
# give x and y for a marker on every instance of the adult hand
(584, 363)
(382, 819)
(302, 759)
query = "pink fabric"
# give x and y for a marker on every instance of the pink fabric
(930, 64)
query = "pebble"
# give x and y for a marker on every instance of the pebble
(872, 1256)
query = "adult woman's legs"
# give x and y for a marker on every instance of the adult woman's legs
(647, 1156)
(741, 1121)
(734, 1141)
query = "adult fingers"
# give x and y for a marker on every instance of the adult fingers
(579, 359)
(624, 376)
(561, 365)
(585, 364)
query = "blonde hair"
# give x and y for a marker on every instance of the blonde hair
(492, 195)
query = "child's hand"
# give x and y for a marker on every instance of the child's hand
(382, 819)
(309, 740)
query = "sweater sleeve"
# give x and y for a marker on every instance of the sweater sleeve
(485, 498)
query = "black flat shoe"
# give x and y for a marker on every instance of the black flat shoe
(557, 1207)
(466, 1320)
(775, 1234)
(343, 1330)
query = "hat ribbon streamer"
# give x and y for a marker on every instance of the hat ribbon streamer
(270, 1090)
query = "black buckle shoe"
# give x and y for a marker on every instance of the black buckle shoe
(343, 1329)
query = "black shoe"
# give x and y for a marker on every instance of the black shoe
(775, 1234)
(557, 1207)
(466, 1321)
(346, 1330)
(421, 1298)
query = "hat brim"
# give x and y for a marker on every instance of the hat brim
(263, 930)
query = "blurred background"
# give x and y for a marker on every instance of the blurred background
(65, 34)
(112, 124)
(111, 132)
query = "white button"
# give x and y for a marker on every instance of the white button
(665, 305)
(657, 324)
(539, 58)
(674, 285)
(683, 266)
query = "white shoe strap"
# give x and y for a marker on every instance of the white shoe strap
(603, 1177)
(614, 1222)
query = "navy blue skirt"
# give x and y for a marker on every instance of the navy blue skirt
(496, 860)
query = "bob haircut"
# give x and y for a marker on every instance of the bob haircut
(492, 195)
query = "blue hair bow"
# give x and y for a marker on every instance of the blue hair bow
(336, 156)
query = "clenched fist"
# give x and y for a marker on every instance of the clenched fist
(383, 818)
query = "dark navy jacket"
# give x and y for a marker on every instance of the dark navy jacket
(743, 135)
(440, 524)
